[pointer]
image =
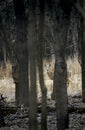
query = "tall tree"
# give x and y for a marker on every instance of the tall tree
(2, 123)
(61, 16)
(32, 38)
(60, 82)
(40, 64)
(3, 40)
(81, 9)
(58, 33)
(22, 54)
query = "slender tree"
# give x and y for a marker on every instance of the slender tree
(81, 9)
(40, 65)
(4, 42)
(22, 54)
(61, 16)
(60, 80)
(58, 33)
(2, 123)
(32, 38)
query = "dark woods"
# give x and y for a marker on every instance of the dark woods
(26, 28)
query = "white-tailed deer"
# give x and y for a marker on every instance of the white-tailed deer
(49, 67)
(50, 71)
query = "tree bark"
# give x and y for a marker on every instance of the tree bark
(40, 66)
(82, 39)
(61, 24)
(22, 54)
(32, 39)
(60, 80)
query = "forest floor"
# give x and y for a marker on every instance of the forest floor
(19, 120)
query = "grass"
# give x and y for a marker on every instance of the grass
(7, 86)
(73, 65)
(74, 69)
(6, 71)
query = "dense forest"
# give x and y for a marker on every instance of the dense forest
(32, 31)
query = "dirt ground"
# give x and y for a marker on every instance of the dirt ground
(76, 120)
(20, 120)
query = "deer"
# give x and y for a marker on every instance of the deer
(50, 72)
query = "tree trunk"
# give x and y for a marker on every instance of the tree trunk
(61, 24)
(82, 38)
(33, 89)
(44, 94)
(40, 66)
(60, 85)
(2, 122)
(32, 66)
(22, 54)
(60, 80)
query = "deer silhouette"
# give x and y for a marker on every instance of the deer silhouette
(50, 71)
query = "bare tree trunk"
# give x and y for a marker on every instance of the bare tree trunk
(22, 54)
(60, 74)
(42, 86)
(4, 53)
(40, 66)
(53, 93)
(60, 85)
(33, 125)
(82, 42)
(33, 90)
(44, 94)
(2, 122)
(60, 79)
